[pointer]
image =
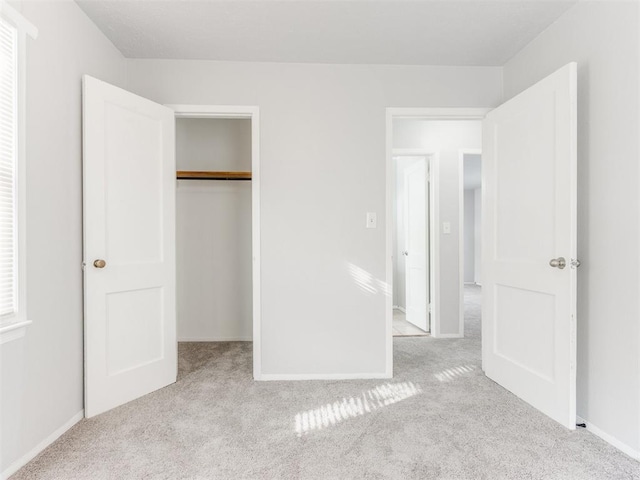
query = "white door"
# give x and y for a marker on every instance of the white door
(417, 246)
(129, 246)
(529, 215)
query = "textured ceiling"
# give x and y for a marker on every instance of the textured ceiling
(427, 32)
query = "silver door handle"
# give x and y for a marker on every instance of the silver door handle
(559, 262)
(405, 253)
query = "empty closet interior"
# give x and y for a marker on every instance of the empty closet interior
(213, 229)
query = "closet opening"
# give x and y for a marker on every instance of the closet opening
(217, 226)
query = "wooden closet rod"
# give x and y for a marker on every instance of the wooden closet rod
(190, 175)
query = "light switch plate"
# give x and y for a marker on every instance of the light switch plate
(372, 220)
(446, 228)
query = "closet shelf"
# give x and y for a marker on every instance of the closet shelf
(191, 175)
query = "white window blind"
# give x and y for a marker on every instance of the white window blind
(8, 170)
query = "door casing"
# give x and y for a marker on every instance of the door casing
(417, 113)
(252, 113)
(461, 154)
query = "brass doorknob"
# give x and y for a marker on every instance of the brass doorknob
(99, 263)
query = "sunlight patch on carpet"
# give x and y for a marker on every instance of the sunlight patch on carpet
(367, 402)
(454, 372)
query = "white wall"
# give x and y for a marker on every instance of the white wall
(603, 38)
(213, 232)
(477, 223)
(41, 374)
(323, 168)
(446, 138)
(469, 236)
(213, 144)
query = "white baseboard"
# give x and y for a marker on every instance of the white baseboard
(610, 439)
(268, 377)
(216, 339)
(30, 455)
(398, 307)
(448, 335)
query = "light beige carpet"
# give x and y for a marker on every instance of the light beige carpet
(439, 417)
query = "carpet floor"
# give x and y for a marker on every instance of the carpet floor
(438, 418)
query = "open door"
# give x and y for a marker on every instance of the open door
(529, 245)
(129, 246)
(417, 244)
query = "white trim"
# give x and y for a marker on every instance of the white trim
(214, 111)
(13, 331)
(253, 113)
(610, 439)
(398, 307)
(388, 304)
(461, 153)
(426, 113)
(638, 339)
(31, 454)
(434, 241)
(461, 243)
(15, 325)
(18, 20)
(446, 113)
(216, 339)
(451, 335)
(323, 376)
(410, 152)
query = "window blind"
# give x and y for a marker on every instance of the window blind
(8, 169)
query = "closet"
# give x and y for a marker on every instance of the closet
(213, 229)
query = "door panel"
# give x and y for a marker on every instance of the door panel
(416, 251)
(529, 218)
(129, 222)
(133, 222)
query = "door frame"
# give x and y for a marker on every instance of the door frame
(461, 153)
(418, 113)
(432, 162)
(252, 113)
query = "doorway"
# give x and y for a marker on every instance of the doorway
(213, 229)
(471, 213)
(129, 214)
(229, 172)
(528, 314)
(441, 134)
(412, 252)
